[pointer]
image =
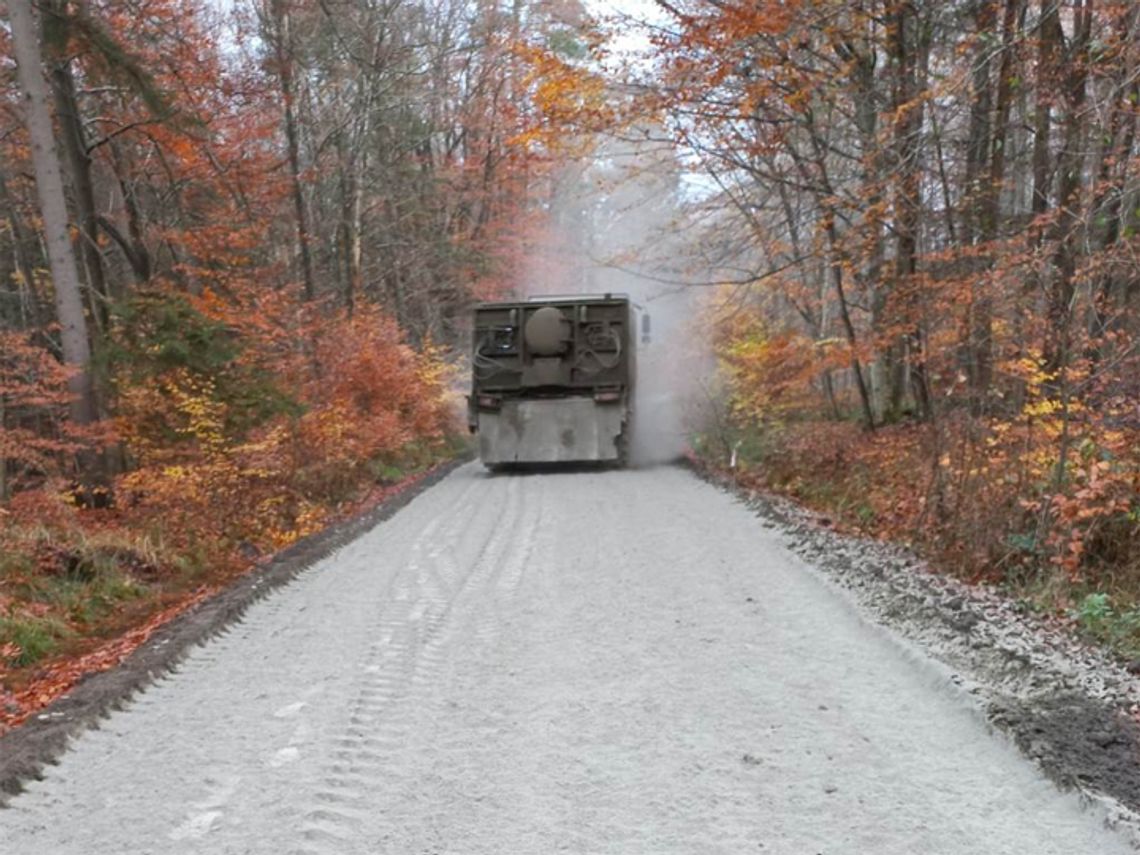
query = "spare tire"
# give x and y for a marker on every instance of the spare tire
(543, 331)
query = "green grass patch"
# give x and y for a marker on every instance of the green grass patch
(1103, 620)
(415, 457)
(57, 593)
(26, 640)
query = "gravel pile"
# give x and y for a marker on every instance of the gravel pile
(1070, 707)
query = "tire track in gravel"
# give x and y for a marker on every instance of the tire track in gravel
(431, 600)
(338, 807)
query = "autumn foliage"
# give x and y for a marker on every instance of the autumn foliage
(225, 457)
(936, 207)
(34, 430)
(281, 212)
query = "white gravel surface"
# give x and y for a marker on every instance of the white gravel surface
(598, 662)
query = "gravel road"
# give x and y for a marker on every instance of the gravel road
(588, 662)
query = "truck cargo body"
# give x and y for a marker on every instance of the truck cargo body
(552, 380)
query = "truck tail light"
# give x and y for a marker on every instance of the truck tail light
(609, 396)
(489, 402)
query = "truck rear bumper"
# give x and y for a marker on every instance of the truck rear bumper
(561, 430)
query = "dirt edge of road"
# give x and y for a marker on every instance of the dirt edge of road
(1069, 707)
(39, 742)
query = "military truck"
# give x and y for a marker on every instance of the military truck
(552, 380)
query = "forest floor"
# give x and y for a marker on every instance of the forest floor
(606, 662)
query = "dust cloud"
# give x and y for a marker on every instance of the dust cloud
(617, 225)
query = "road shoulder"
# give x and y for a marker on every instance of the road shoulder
(1069, 707)
(28, 749)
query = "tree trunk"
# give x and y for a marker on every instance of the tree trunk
(55, 27)
(978, 145)
(351, 216)
(356, 225)
(53, 207)
(283, 50)
(986, 163)
(135, 249)
(908, 48)
(1069, 162)
(1112, 187)
(990, 203)
(836, 266)
(1049, 38)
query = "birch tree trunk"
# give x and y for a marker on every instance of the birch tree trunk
(53, 207)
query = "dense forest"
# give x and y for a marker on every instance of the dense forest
(934, 206)
(238, 242)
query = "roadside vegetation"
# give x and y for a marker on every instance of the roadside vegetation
(927, 216)
(223, 468)
(880, 485)
(237, 249)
